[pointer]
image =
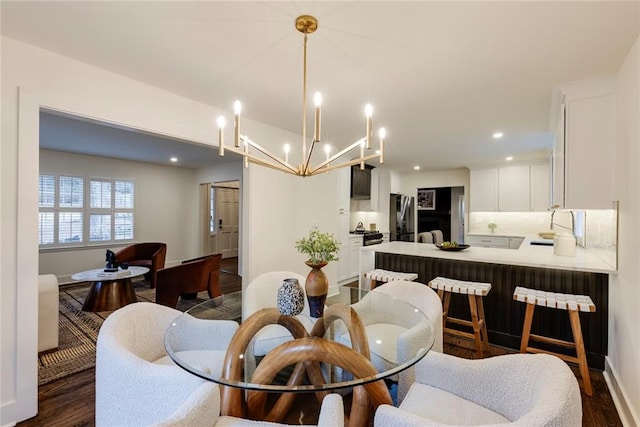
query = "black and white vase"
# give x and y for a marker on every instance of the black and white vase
(290, 298)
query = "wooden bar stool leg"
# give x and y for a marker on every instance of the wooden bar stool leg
(526, 329)
(373, 284)
(476, 325)
(445, 310)
(574, 316)
(485, 335)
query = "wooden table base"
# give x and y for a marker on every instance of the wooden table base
(109, 295)
(305, 352)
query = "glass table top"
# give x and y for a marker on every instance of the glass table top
(362, 337)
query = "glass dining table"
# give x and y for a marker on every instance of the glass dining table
(362, 339)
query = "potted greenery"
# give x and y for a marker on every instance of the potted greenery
(320, 248)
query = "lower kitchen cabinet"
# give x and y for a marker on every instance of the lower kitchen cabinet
(486, 241)
(355, 243)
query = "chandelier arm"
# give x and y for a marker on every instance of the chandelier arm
(341, 153)
(264, 151)
(320, 170)
(305, 165)
(255, 159)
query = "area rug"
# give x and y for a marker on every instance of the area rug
(78, 330)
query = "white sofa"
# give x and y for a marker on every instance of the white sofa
(48, 312)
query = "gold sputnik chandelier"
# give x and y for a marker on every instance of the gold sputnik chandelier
(306, 24)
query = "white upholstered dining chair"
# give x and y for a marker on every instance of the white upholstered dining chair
(517, 389)
(136, 381)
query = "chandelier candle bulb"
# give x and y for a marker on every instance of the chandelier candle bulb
(237, 109)
(221, 122)
(327, 150)
(287, 148)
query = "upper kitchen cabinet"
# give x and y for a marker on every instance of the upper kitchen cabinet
(520, 188)
(583, 118)
(483, 191)
(540, 186)
(513, 189)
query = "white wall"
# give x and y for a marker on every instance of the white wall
(33, 78)
(624, 288)
(226, 172)
(166, 209)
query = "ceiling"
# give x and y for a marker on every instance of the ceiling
(442, 76)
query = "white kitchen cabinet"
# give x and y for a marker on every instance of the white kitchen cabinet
(521, 188)
(540, 188)
(488, 241)
(355, 243)
(513, 189)
(585, 144)
(483, 190)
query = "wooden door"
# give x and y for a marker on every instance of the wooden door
(227, 220)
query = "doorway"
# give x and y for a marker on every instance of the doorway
(222, 213)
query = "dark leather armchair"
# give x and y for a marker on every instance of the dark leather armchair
(187, 279)
(150, 255)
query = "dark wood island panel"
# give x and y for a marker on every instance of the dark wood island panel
(504, 316)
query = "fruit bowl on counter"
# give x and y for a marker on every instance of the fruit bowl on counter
(451, 246)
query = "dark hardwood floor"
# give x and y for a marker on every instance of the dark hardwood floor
(71, 401)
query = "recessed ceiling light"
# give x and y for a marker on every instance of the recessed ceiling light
(498, 135)
(174, 159)
(508, 159)
(416, 168)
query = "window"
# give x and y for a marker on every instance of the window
(66, 219)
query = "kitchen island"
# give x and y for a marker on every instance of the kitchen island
(535, 267)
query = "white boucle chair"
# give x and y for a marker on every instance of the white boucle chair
(516, 389)
(426, 300)
(136, 382)
(48, 312)
(393, 321)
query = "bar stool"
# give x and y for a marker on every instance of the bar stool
(379, 275)
(574, 304)
(475, 292)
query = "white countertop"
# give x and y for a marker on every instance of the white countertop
(527, 255)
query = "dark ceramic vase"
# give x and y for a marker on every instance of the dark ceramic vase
(316, 287)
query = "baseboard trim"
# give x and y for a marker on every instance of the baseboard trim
(627, 416)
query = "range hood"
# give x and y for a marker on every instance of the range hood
(361, 182)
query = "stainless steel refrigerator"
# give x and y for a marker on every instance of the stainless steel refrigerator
(401, 218)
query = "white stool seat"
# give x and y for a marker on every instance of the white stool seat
(388, 276)
(554, 300)
(460, 286)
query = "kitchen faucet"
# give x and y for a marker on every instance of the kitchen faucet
(573, 222)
